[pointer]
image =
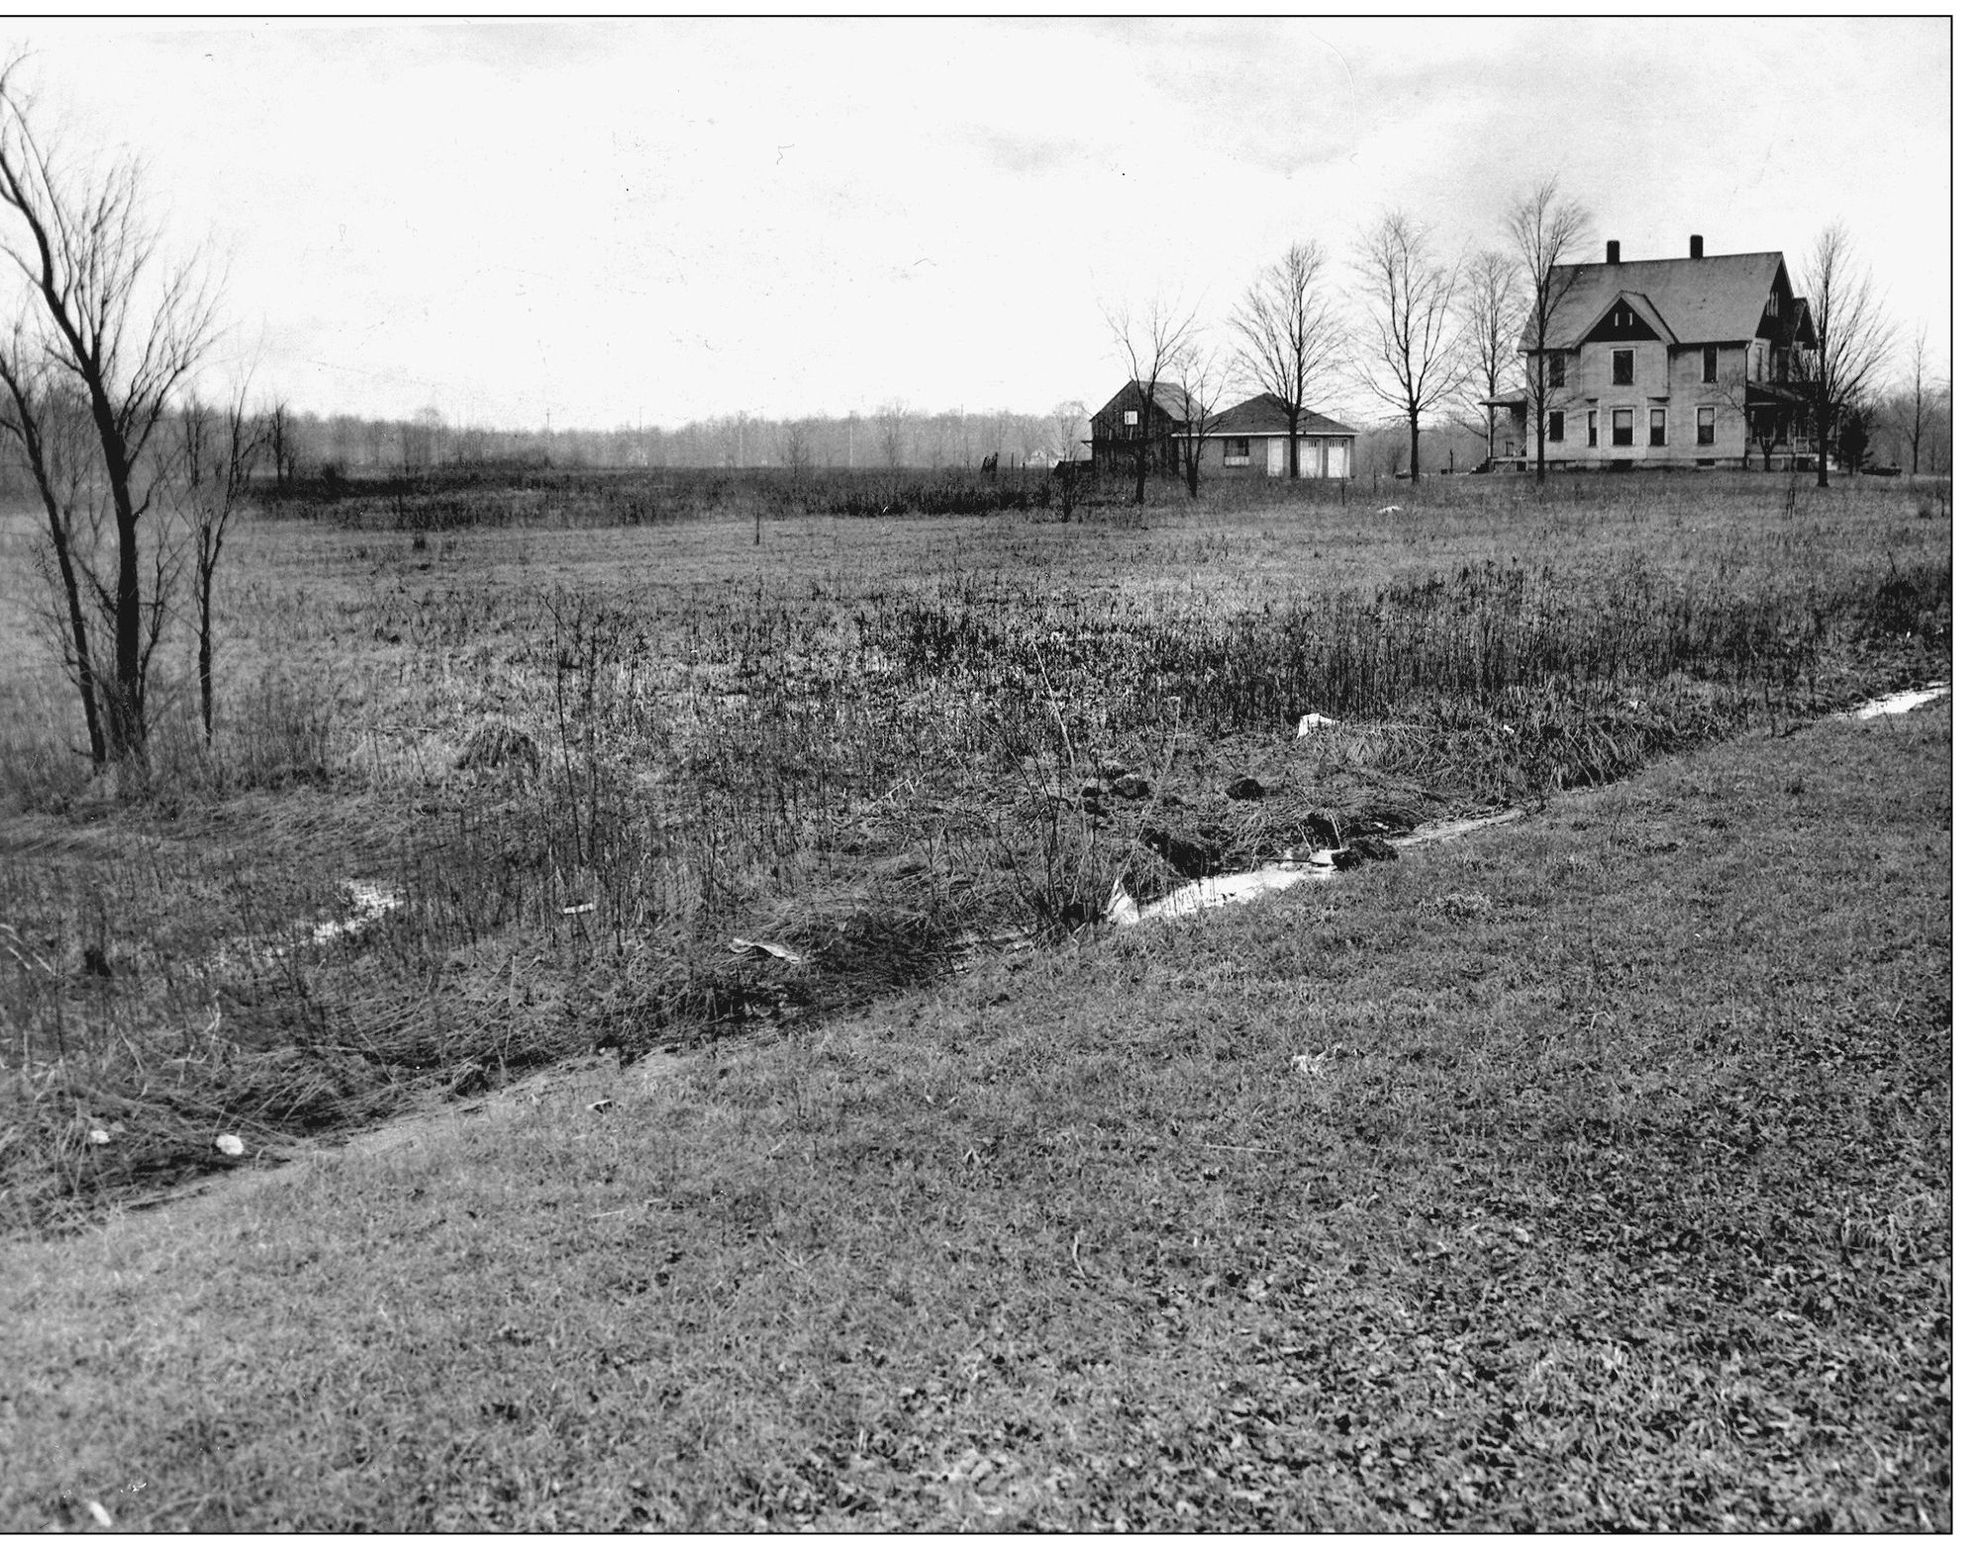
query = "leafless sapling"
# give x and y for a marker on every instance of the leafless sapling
(1492, 315)
(1546, 229)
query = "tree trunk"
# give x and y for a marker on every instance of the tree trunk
(1142, 464)
(85, 672)
(1416, 472)
(205, 649)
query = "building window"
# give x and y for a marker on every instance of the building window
(1707, 426)
(1238, 451)
(1624, 318)
(1656, 427)
(1624, 427)
(1625, 367)
(1710, 363)
(1129, 418)
(1556, 370)
(1556, 427)
(1593, 438)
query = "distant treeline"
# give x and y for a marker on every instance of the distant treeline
(889, 437)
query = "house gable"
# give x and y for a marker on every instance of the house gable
(1629, 319)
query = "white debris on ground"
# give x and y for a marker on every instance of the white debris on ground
(1901, 702)
(1217, 890)
(229, 1145)
(760, 947)
(1309, 723)
(368, 902)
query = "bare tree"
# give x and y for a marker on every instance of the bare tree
(1493, 316)
(1413, 362)
(126, 330)
(1150, 340)
(1201, 374)
(1855, 339)
(219, 448)
(281, 443)
(1070, 424)
(1291, 340)
(797, 446)
(1919, 405)
(891, 422)
(49, 427)
(1545, 229)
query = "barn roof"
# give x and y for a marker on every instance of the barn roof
(1169, 396)
(1266, 414)
(1700, 300)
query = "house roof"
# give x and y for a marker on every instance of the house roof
(1266, 414)
(1699, 300)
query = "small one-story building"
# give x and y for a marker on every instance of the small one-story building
(1250, 440)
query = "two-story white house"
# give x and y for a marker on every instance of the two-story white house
(1665, 362)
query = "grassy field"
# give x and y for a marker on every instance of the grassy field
(584, 755)
(1590, 1172)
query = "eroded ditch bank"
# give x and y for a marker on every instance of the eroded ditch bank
(598, 1078)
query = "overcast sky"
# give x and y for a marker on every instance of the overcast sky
(614, 222)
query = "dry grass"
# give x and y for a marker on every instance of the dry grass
(588, 756)
(1620, 1199)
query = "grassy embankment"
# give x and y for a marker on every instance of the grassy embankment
(1619, 1197)
(876, 742)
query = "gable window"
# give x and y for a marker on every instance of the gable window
(1556, 370)
(1656, 426)
(1710, 363)
(1593, 438)
(1625, 367)
(1623, 429)
(1707, 426)
(1624, 318)
(1238, 451)
(1556, 427)
(1129, 417)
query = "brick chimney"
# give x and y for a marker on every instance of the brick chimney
(1697, 246)
(1615, 252)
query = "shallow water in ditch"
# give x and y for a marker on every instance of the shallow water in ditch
(1217, 890)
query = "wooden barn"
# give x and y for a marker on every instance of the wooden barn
(1130, 418)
